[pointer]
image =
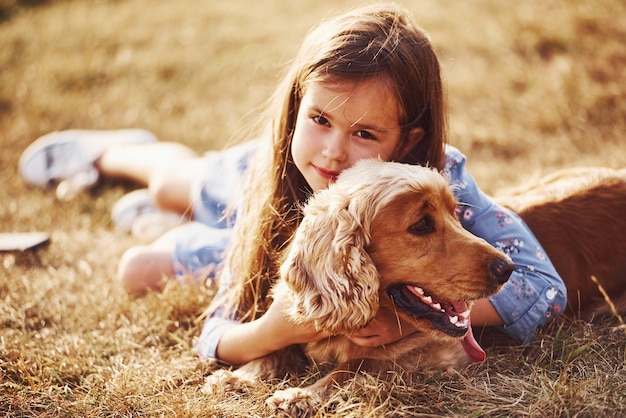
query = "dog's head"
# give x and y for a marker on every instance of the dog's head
(385, 235)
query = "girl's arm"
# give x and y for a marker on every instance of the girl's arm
(244, 342)
(237, 343)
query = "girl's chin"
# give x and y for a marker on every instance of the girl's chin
(320, 184)
(320, 181)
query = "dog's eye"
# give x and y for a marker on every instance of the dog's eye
(423, 226)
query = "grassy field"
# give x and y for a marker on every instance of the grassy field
(533, 86)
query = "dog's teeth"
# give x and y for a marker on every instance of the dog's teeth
(465, 314)
(418, 290)
(454, 319)
(437, 306)
(428, 299)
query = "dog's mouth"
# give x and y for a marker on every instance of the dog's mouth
(449, 317)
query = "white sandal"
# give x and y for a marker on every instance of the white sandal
(67, 157)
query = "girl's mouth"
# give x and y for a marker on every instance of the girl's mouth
(327, 174)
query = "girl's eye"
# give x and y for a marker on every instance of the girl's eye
(365, 135)
(320, 120)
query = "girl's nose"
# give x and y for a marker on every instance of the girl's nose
(336, 147)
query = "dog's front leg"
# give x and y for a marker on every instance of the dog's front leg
(305, 402)
(277, 364)
(238, 380)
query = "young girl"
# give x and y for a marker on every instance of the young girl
(364, 84)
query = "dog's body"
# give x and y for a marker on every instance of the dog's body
(375, 241)
(579, 217)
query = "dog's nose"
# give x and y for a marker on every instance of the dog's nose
(501, 270)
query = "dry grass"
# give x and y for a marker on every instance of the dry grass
(533, 86)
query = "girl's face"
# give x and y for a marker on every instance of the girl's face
(340, 123)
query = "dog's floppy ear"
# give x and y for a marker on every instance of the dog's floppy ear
(331, 278)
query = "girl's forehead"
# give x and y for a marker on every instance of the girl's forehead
(343, 85)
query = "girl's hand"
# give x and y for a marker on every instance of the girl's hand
(385, 328)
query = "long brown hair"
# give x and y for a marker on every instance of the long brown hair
(374, 41)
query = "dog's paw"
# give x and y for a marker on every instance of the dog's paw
(295, 402)
(226, 381)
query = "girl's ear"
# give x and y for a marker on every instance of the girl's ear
(332, 280)
(413, 138)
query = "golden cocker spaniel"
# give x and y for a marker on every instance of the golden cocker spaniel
(384, 237)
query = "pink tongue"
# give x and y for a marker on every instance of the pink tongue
(471, 347)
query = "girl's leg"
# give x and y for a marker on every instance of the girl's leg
(193, 249)
(140, 162)
(167, 168)
(148, 267)
(145, 268)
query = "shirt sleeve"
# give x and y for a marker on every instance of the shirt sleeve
(219, 320)
(534, 294)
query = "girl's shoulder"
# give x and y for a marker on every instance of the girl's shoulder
(454, 167)
(453, 155)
